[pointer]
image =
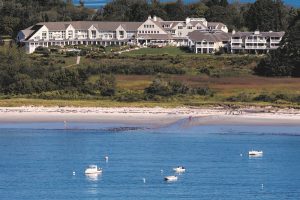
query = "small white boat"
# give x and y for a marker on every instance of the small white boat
(255, 153)
(93, 169)
(171, 178)
(179, 169)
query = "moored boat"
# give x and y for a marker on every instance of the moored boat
(93, 169)
(255, 153)
(171, 178)
(179, 169)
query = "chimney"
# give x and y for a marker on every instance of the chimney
(154, 18)
(233, 32)
(149, 17)
(187, 20)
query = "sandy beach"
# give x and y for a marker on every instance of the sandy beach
(152, 116)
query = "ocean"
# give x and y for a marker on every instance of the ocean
(98, 3)
(38, 161)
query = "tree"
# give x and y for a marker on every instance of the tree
(197, 10)
(175, 10)
(285, 61)
(266, 15)
(81, 3)
(224, 3)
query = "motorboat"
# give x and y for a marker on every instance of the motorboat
(93, 169)
(179, 169)
(255, 153)
(171, 178)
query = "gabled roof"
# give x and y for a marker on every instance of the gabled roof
(33, 30)
(27, 32)
(55, 26)
(210, 37)
(216, 25)
(85, 25)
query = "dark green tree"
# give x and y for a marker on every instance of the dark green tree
(285, 61)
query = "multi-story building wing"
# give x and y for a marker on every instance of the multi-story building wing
(255, 42)
(78, 33)
(198, 34)
(208, 42)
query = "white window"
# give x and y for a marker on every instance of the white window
(70, 34)
(44, 35)
(63, 33)
(180, 27)
(50, 35)
(94, 34)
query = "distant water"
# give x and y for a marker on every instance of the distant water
(98, 3)
(37, 162)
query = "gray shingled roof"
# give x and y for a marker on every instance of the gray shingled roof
(217, 25)
(210, 37)
(84, 25)
(264, 34)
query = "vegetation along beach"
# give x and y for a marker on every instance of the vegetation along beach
(138, 99)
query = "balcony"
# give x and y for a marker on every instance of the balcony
(204, 46)
(236, 46)
(256, 40)
(236, 40)
(256, 47)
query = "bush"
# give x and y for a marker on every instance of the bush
(263, 97)
(205, 91)
(272, 66)
(134, 69)
(130, 96)
(165, 88)
(105, 85)
(242, 97)
(42, 50)
(71, 53)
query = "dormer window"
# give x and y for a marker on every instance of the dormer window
(190, 27)
(180, 27)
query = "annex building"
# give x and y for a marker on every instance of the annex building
(196, 33)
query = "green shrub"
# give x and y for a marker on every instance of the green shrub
(242, 97)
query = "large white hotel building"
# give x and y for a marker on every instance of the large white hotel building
(196, 33)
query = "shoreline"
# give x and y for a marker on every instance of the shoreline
(152, 116)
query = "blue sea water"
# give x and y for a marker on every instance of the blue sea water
(98, 3)
(37, 161)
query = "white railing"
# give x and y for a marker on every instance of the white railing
(237, 40)
(236, 46)
(256, 40)
(204, 46)
(255, 47)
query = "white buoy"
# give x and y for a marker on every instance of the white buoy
(144, 180)
(65, 125)
(262, 186)
(106, 158)
(161, 171)
(241, 154)
(74, 173)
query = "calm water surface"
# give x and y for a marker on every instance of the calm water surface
(37, 162)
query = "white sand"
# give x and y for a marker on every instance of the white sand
(154, 116)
